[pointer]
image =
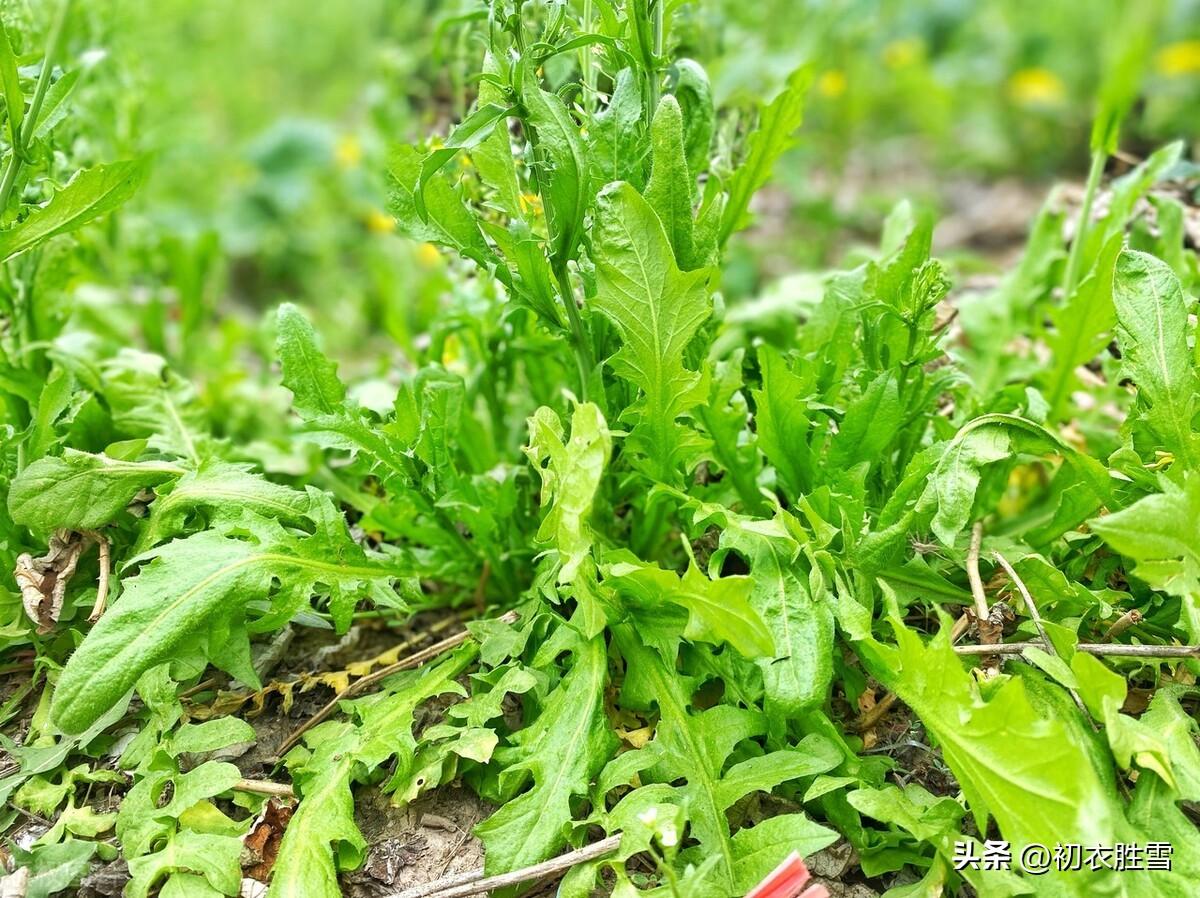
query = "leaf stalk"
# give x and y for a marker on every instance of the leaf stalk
(1075, 259)
(35, 106)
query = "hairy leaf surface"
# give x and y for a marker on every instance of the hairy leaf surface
(1152, 330)
(88, 195)
(657, 309)
(198, 588)
(79, 490)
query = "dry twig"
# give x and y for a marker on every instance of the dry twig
(414, 660)
(277, 685)
(875, 714)
(103, 548)
(1037, 623)
(1090, 648)
(1123, 623)
(474, 883)
(989, 630)
(265, 787)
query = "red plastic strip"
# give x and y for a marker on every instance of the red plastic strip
(787, 880)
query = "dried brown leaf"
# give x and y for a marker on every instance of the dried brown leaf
(260, 848)
(43, 581)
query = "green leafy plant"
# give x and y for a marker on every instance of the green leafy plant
(720, 539)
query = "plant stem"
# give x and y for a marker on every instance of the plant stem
(583, 349)
(10, 177)
(101, 603)
(659, 26)
(649, 533)
(35, 107)
(989, 633)
(587, 70)
(1123, 623)
(669, 872)
(977, 593)
(1075, 259)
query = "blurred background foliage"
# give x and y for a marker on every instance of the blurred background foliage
(270, 124)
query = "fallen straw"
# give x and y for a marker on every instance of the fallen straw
(473, 882)
(102, 583)
(989, 630)
(1089, 648)
(414, 660)
(1036, 617)
(1124, 622)
(264, 787)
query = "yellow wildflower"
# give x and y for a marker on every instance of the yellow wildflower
(452, 355)
(903, 52)
(832, 83)
(348, 151)
(531, 203)
(380, 222)
(428, 255)
(1036, 86)
(1178, 59)
(1021, 481)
